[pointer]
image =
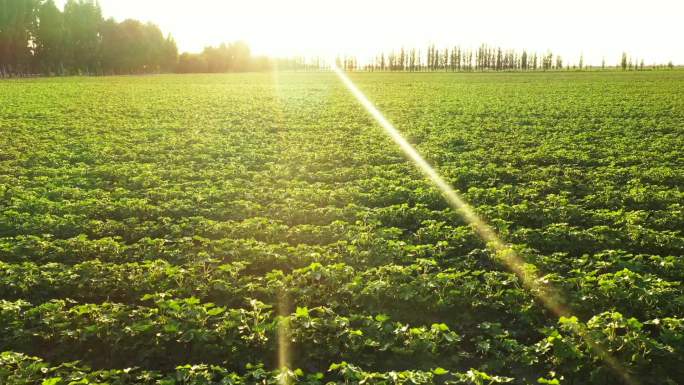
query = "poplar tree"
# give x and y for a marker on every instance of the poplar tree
(16, 21)
(402, 59)
(49, 38)
(523, 60)
(82, 20)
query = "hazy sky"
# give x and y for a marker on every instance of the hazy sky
(650, 29)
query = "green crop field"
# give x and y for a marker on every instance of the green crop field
(209, 229)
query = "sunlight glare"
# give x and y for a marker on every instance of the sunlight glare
(503, 252)
(363, 28)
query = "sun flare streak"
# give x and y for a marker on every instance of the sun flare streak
(504, 252)
(283, 307)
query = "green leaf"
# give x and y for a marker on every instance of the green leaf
(634, 324)
(302, 312)
(441, 327)
(568, 320)
(52, 381)
(171, 327)
(440, 371)
(216, 311)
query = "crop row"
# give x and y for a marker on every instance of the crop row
(458, 294)
(659, 209)
(178, 240)
(174, 331)
(20, 369)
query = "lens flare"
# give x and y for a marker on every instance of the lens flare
(504, 252)
(283, 307)
(283, 332)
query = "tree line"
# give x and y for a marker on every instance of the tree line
(233, 57)
(36, 37)
(483, 58)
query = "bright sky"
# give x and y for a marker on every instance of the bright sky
(650, 29)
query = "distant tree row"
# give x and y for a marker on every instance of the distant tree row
(37, 37)
(484, 58)
(233, 57)
(628, 63)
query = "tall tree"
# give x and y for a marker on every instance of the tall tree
(412, 60)
(82, 19)
(17, 20)
(114, 47)
(240, 55)
(499, 59)
(402, 59)
(49, 38)
(169, 55)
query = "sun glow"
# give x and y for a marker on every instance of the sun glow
(324, 28)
